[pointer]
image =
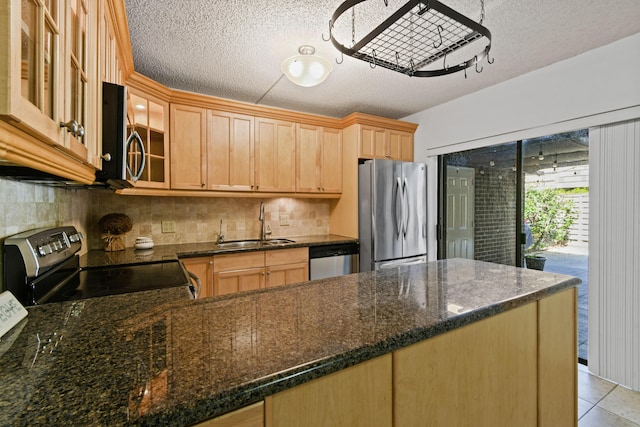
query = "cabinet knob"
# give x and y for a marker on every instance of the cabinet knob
(106, 157)
(80, 132)
(71, 126)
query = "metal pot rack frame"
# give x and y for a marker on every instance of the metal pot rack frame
(410, 40)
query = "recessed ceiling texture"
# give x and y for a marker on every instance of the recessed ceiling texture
(234, 49)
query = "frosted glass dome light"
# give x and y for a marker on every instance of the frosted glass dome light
(306, 69)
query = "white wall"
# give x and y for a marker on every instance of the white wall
(595, 88)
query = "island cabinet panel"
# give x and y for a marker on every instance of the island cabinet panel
(557, 354)
(250, 416)
(188, 147)
(358, 396)
(483, 374)
(275, 155)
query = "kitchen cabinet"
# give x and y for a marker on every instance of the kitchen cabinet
(366, 137)
(250, 416)
(286, 266)
(515, 368)
(110, 59)
(230, 151)
(49, 72)
(488, 367)
(381, 143)
(149, 116)
(275, 155)
(319, 159)
(188, 130)
(360, 395)
(203, 268)
(238, 272)
(260, 269)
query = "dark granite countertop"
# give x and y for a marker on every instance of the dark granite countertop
(161, 358)
(100, 258)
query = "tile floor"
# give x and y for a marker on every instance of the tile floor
(602, 403)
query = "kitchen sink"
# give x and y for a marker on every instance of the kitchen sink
(239, 244)
(273, 242)
(252, 243)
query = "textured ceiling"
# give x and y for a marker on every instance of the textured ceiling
(233, 49)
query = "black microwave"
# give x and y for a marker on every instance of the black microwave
(119, 152)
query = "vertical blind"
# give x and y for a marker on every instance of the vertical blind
(614, 253)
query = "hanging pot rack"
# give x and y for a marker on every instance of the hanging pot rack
(416, 36)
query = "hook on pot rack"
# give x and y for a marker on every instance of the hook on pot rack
(476, 60)
(341, 59)
(392, 44)
(439, 35)
(330, 31)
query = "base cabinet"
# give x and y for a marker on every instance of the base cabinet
(517, 368)
(203, 268)
(255, 270)
(359, 396)
(488, 368)
(250, 416)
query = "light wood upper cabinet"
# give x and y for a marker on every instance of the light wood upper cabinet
(319, 159)
(188, 131)
(149, 117)
(275, 155)
(230, 151)
(49, 72)
(381, 143)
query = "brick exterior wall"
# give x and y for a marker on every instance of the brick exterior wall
(495, 216)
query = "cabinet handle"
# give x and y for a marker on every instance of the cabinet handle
(106, 157)
(71, 125)
(80, 132)
(262, 273)
(268, 273)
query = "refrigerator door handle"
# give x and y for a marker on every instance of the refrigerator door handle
(405, 207)
(399, 224)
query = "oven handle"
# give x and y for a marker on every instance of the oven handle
(194, 290)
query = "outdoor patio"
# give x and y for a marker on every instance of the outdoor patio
(573, 261)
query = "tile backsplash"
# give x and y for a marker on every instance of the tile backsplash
(198, 219)
(24, 206)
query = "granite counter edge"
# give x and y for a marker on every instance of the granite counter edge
(255, 391)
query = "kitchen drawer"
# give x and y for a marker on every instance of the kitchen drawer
(238, 261)
(286, 256)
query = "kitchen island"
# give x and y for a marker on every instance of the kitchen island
(454, 339)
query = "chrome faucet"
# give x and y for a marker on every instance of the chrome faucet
(220, 235)
(264, 232)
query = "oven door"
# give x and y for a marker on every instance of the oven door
(44, 288)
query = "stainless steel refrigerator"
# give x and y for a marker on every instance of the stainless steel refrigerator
(392, 213)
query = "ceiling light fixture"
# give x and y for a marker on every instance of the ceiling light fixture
(417, 39)
(306, 69)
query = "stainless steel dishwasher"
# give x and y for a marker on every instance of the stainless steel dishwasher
(336, 259)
